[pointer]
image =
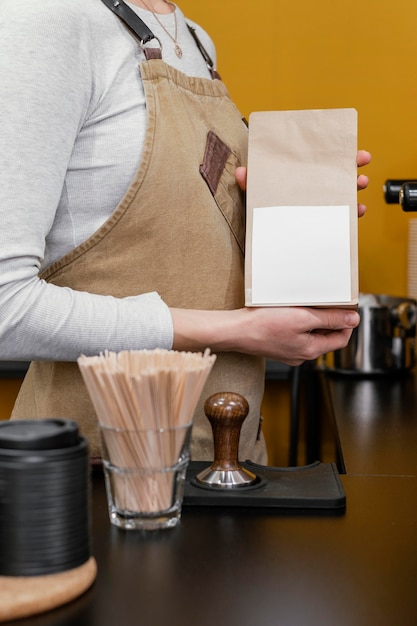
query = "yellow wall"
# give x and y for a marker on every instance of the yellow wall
(323, 54)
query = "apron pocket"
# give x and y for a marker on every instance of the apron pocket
(218, 171)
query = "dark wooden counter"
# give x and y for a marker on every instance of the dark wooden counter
(264, 567)
(376, 422)
(259, 567)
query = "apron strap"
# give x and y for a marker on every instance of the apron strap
(144, 34)
(209, 62)
(136, 25)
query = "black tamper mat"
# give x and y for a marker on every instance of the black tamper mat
(316, 486)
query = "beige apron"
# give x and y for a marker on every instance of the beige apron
(179, 230)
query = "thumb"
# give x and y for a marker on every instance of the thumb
(336, 319)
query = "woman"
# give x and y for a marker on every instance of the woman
(120, 230)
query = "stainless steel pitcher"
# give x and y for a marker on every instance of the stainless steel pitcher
(384, 341)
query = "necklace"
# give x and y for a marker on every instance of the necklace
(177, 48)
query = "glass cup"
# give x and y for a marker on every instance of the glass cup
(145, 475)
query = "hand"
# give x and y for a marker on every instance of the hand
(287, 334)
(293, 335)
(363, 158)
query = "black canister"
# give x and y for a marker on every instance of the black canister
(44, 497)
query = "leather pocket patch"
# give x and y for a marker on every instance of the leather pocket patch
(218, 172)
(215, 156)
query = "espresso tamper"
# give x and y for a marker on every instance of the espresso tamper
(226, 412)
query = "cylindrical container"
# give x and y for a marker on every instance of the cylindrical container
(408, 197)
(392, 189)
(145, 471)
(384, 341)
(44, 497)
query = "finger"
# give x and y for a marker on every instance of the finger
(363, 157)
(362, 181)
(361, 210)
(319, 342)
(240, 175)
(322, 342)
(333, 319)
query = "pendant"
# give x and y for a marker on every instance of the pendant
(178, 51)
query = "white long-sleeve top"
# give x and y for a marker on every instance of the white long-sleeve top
(72, 123)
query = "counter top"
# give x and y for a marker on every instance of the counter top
(267, 567)
(376, 422)
(247, 567)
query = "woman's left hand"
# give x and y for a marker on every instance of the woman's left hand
(363, 158)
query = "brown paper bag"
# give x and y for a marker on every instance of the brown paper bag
(301, 238)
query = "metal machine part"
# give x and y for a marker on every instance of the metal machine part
(408, 197)
(384, 341)
(401, 191)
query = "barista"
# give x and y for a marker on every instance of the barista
(122, 219)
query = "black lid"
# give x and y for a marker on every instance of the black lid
(44, 434)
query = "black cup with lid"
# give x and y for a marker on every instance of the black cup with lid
(44, 497)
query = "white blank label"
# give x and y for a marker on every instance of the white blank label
(301, 254)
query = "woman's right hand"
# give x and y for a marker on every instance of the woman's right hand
(291, 335)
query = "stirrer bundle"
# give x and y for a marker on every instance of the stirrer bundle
(145, 401)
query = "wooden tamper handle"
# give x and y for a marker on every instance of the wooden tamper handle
(226, 412)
